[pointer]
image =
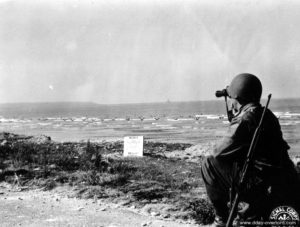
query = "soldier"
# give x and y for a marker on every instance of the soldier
(273, 179)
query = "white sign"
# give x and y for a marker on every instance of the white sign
(133, 146)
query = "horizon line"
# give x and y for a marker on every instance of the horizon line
(129, 103)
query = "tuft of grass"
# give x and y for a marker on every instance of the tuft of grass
(91, 192)
(202, 211)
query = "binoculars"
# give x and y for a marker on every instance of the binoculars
(222, 93)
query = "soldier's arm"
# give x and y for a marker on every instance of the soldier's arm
(235, 144)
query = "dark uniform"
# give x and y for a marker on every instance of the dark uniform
(273, 179)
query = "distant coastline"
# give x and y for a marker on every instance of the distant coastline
(135, 103)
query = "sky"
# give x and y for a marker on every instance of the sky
(135, 51)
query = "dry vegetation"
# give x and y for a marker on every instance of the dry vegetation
(157, 183)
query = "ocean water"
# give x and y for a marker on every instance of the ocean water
(190, 122)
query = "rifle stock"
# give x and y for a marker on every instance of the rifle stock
(246, 165)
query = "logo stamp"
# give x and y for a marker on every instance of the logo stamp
(282, 216)
(285, 215)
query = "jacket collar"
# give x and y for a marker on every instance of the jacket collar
(245, 108)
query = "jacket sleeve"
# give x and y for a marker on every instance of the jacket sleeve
(235, 144)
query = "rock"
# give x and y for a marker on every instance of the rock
(155, 214)
(200, 149)
(40, 139)
(95, 199)
(124, 202)
(3, 143)
(166, 215)
(164, 200)
(53, 166)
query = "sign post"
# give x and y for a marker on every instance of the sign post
(133, 146)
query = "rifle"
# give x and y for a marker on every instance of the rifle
(245, 169)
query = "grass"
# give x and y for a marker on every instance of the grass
(98, 170)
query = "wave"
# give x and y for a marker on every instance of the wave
(287, 118)
(161, 125)
(210, 116)
(286, 115)
(44, 124)
(186, 119)
(171, 119)
(290, 123)
(14, 120)
(120, 119)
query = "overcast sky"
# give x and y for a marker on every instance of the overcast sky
(145, 51)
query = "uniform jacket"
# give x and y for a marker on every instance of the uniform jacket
(271, 150)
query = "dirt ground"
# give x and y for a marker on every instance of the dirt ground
(19, 207)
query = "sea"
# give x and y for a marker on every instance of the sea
(181, 122)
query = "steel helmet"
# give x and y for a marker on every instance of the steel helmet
(245, 88)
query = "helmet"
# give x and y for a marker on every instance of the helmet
(245, 88)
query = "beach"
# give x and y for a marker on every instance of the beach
(83, 157)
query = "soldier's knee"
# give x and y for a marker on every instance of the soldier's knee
(206, 166)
